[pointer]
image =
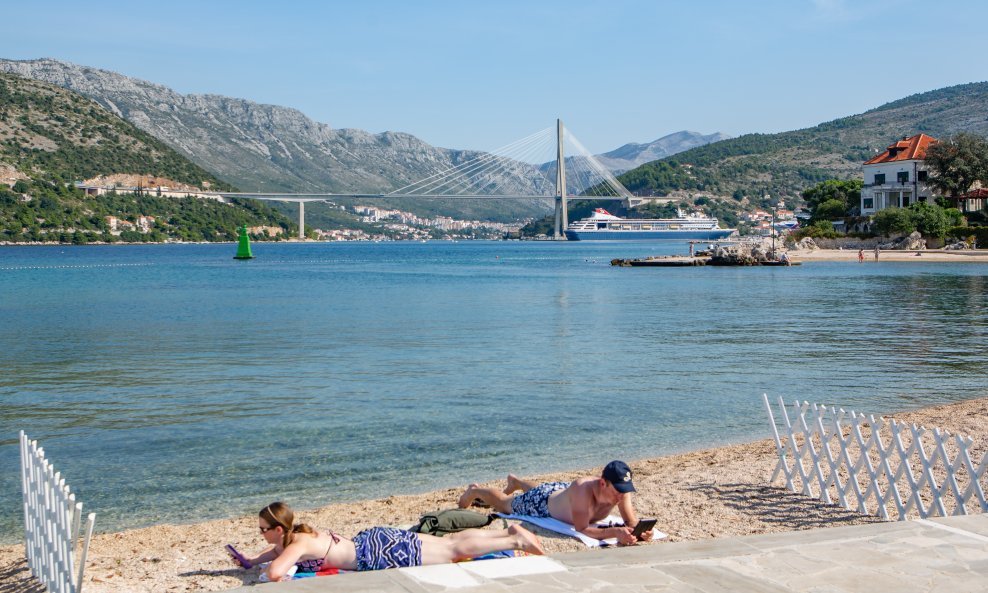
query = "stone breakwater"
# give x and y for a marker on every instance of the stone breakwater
(741, 254)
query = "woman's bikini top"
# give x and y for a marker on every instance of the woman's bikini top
(316, 565)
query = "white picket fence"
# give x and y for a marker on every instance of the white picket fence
(52, 521)
(876, 466)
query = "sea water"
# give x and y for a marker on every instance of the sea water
(171, 383)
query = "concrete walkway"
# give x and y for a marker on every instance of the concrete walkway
(934, 555)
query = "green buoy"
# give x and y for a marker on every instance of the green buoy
(243, 249)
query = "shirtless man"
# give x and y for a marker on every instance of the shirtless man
(581, 503)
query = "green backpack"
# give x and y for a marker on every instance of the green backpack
(450, 521)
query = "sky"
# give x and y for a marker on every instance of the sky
(480, 75)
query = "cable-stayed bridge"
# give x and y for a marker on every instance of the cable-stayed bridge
(534, 168)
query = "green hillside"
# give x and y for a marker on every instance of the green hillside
(787, 163)
(51, 137)
(734, 175)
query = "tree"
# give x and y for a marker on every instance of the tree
(957, 163)
(830, 210)
(895, 221)
(931, 220)
(845, 191)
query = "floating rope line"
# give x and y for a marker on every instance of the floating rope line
(74, 267)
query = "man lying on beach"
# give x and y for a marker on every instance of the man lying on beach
(581, 503)
(376, 548)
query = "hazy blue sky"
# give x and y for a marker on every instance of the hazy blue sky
(483, 74)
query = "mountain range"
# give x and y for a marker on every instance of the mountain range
(634, 155)
(269, 148)
(785, 164)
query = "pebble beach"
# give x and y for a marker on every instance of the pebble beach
(712, 493)
(927, 255)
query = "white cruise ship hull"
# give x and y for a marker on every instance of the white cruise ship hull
(630, 235)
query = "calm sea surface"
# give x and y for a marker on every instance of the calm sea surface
(174, 384)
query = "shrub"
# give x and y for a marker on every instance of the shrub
(821, 229)
(961, 233)
(930, 220)
(895, 221)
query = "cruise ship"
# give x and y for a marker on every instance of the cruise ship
(604, 226)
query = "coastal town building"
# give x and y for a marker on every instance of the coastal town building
(972, 201)
(766, 224)
(897, 177)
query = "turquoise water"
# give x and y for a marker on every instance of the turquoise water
(170, 383)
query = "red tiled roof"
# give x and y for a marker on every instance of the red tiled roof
(907, 149)
(978, 193)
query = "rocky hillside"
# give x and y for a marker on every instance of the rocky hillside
(45, 129)
(270, 148)
(50, 137)
(787, 163)
(633, 155)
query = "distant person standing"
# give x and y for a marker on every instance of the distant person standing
(877, 251)
(860, 256)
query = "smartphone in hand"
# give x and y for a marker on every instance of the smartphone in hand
(240, 558)
(643, 526)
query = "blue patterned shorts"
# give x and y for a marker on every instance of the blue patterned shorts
(386, 547)
(535, 502)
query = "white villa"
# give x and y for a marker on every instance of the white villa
(897, 177)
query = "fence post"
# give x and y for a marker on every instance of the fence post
(52, 520)
(863, 476)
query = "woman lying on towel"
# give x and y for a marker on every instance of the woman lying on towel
(375, 548)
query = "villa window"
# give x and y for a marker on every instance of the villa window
(902, 176)
(868, 203)
(921, 176)
(879, 178)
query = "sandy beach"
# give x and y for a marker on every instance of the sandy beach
(851, 255)
(720, 492)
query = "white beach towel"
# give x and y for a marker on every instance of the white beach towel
(567, 529)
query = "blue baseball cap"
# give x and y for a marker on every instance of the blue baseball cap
(619, 475)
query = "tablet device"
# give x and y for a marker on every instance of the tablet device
(643, 526)
(238, 556)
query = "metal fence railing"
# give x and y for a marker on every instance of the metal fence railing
(52, 523)
(872, 465)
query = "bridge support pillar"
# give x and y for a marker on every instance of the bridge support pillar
(562, 215)
(559, 228)
(301, 220)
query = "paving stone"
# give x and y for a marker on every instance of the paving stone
(718, 579)
(903, 557)
(977, 524)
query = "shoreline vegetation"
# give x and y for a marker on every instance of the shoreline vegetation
(711, 493)
(797, 255)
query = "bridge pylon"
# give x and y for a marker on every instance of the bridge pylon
(562, 213)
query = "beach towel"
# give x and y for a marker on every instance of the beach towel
(567, 529)
(295, 575)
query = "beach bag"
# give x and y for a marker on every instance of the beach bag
(450, 521)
